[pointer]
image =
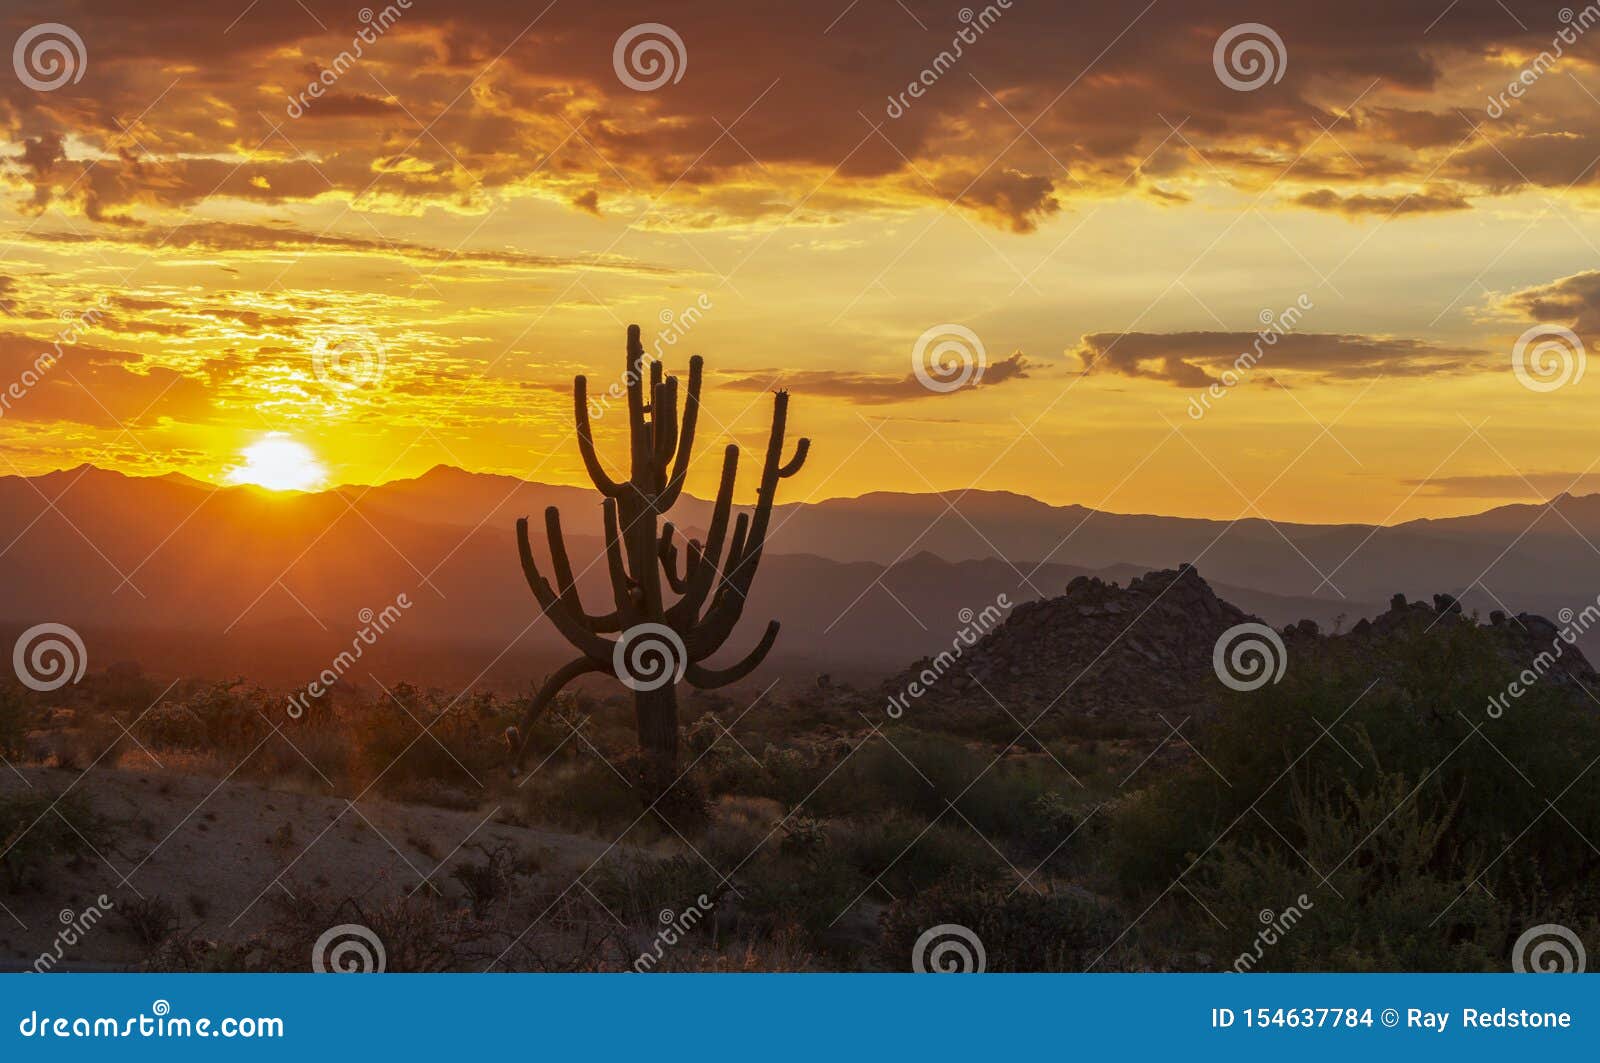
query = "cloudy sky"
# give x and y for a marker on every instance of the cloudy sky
(406, 265)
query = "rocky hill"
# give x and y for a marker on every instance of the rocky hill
(1146, 650)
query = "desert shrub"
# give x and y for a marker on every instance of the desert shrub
(791, 881)
(390, 745)
(418, 935)
(150, 920)
(808, 890)
(919, 774)
(1392, 908)
(218, 718)
(790, 773)
(672, 795)
(38, 833)
(579, 792)
(1021, 930)
(905, 855)
(784, 951)
(187, 954)
(488, 882)
(1406, 807)
(639, 891)
(14, 721)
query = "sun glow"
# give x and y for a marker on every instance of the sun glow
(279, 463)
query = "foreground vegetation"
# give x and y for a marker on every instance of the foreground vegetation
(1375, 799)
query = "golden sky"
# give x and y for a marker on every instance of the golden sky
(407, 268)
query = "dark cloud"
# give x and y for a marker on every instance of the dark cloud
(1534, 485)
(1197, 359)
(873, 389)
(1573, 300)
(232, 236)
(1008, 198)
(1418, 129)
(1429, 201)
(352, 105)
(773, 101)
(1555, 159)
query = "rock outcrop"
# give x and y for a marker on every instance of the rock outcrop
(1106, 651)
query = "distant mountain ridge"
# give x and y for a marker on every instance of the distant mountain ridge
(257, 583)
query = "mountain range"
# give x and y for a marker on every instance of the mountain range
(189, 578)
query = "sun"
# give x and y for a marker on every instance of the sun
(279, 463)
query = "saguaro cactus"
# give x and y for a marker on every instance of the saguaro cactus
(658, 642)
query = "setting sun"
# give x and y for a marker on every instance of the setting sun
(279, 463)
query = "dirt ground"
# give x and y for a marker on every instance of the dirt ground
(217, 850)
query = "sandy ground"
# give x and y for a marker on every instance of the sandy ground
(217, 851)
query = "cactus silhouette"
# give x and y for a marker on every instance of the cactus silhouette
(658, 642)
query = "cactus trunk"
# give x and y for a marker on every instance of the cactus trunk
(657, 715)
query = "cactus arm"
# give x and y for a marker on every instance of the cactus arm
(664, 422)
(566, 619)
(694, 562)
(627, 608)
(546, 694)
(703, 574)
(566, 587)
(640, 450)
(668, 553)
(691, 417)
(743, 560)
(710, 678)
(713, 629)
(801, 449)
(591, 461)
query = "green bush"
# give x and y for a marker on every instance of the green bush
(1416, 818)
(906, 855)
(1020, 929)
(920, 774)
